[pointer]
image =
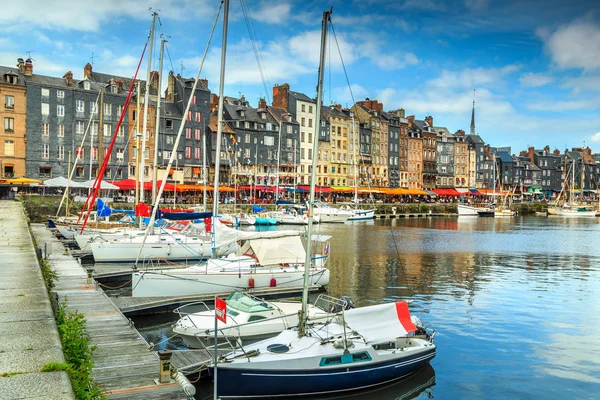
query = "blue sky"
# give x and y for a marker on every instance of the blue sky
(534, 65)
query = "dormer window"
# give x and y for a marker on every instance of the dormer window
(241, 113)
(86, 85)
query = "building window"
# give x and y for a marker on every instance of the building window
(198, 117)
(170, 140)
(45, 151)
(94, 151)
(121, 131)
(310, 109)
(197, 153)
(45, 129)
(93, 107)
(120, 154)
(188, 151)
(9, 124)
(146, 154)
(289, 129)
(303, 107)
(198, 133)
(119, 174)
(60, 110)
(119, 110)
(269, 140)
(45, 109)
(9, 102)
(188, 133)
(302, 121)
(107, 109)
(9, 148)
(79, 127)
(310, 122)
(60, 152)
(45, 172)
(189, 117)
(169, 124)
(106, 130)
(79, 172)
(247, 138)
(60, 94)
(79, 106)
(45, 92)
(86, 85)
(61, 131)
(194, 100)
(79, 152)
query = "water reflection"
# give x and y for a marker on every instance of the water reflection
(515, 301)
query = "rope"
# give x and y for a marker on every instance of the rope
(411, 292)
(114, 287)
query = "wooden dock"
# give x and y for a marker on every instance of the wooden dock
(128, 304)
(124, 366)
(193, 361)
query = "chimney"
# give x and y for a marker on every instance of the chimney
(21, 65)
(28, 67)
(459, 132)
(153, 82)
(214, 102)
(170, 87)
(557, 152)
(204, 82)
(401, 113)
(429, 120)
(531, 153)
(119, 84)
(411, 121)
(338, 107)
(87, 71)
(262, 104)
(68, 76)
(280, 96)
(523, 153)
(547, 149)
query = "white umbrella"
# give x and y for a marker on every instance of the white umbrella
(62, 182)
(103, 185)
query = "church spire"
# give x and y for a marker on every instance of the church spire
(473, 116)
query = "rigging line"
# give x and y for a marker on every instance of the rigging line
(410, 290)
(342, 60)
(257, 53)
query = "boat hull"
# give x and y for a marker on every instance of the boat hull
(576, 214)
(362, 215)
(470, 211)
(150, 284)
(254, 383)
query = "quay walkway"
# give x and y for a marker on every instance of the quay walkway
(124, 365)
(29, 338)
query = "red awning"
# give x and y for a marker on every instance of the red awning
(447, 192)
(318, 189)
(129, 184)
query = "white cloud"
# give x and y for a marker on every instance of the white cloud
(78, 15)
(574, 45)
(565, 105)
(273, 13)
(595, 138)
(41, 37)
(473, 77)
(535, 80)
(583, 83)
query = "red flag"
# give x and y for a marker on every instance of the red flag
(221, 310)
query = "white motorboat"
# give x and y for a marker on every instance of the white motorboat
(473, 210)
(327, 213)
(248, 318)
(359, 214)
(292, 217)
(266, 259)
(505, 212)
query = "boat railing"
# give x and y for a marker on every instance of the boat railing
(180, 310)
(331, 304)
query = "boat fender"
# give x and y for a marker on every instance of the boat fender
(185, 384)
(273, 282)
(250, 283)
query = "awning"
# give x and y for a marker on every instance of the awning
(447, 192)
(196, 170)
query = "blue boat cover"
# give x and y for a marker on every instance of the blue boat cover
(103, 210)
(284, 202)
(258, 209)
(182, 216)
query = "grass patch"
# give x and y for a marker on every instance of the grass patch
(78, 352)
(2, 351)
(55, 366)
(50, 275)
(9, 374)
(28, 348)
(20, 295)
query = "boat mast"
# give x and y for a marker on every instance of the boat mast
(582, 179)
(204, 168)
(354, 161)
(278, 157)
(146, 99)
(220, 121)
(137, 144)
(313, 177)
(295, 182)
(157, 121)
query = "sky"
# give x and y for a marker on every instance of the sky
(532, 65)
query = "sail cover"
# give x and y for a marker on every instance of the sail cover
(279, 250)
(382, 322)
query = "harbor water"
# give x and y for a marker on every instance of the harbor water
(515, 302)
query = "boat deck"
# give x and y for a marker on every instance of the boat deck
(124, 366)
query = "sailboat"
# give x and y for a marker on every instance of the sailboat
(571, 209)
(353, 349)
(358, 214)
(502, 209)
(265, 259)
